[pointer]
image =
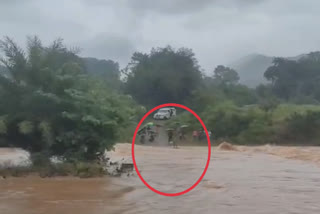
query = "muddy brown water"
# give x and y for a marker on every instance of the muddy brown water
(252, 180)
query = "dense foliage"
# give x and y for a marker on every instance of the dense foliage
(296, 81)
(163, 76)
(242, 115)
(107, 70)
(57, 103)
(50, 104)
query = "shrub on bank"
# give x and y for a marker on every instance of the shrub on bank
(302, 128)
(259, 132)
(284, 111)
(254, 126)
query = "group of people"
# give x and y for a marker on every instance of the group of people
(179, 132)
(173, 134)
(149, 131)
(171, 140)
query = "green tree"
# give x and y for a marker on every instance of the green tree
(107, 70)
(53, 106)
(291, 79)
(225, 75)
(163, 76)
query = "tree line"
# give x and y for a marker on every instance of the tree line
(285, 110)
(57, 103)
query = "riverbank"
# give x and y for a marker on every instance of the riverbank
(16, 162)
(78, 169)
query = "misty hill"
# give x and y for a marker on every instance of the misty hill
(297, 57)
(251, 68)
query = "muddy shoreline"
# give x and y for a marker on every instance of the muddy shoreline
(15, 158)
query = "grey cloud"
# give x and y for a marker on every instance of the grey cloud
(21, 18)
(217, 30)
(108, 46)
(186, 6)
(169, 6)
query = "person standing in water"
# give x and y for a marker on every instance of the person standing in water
(179, 134)
(178, 130)
(195, 135)
(143, 134)
(182, 133)
(174, 142)
(170, 137)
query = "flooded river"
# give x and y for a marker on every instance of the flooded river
(251, 180)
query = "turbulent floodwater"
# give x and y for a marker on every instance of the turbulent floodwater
(250, 180)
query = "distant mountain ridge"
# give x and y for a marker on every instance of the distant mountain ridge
(251, 68)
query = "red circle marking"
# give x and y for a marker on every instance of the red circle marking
(209, 150)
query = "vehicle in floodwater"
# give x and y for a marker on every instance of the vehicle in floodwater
(165, 113)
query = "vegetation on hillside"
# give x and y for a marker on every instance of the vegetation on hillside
(55, 103)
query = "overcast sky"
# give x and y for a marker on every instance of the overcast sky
(218, 31)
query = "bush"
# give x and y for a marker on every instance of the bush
(230, 122)
(303, 128)
(40, 159)
(258, 132)
(239, 125)
(284, 111)
(15, 171)
(87, 170)
(226, 120)
(269, 104)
